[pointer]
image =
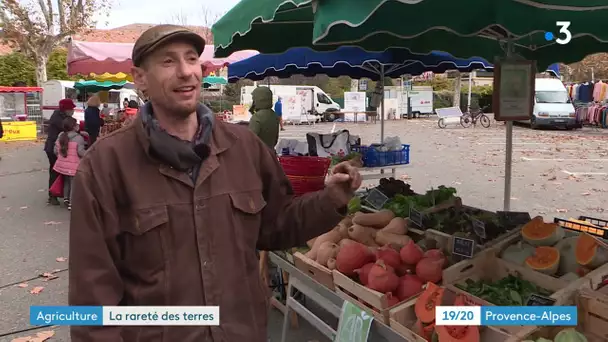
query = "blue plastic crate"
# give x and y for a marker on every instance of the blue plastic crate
(372, 157)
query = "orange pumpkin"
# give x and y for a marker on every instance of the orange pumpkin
(427, 301)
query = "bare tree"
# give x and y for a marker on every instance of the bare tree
(207, 19)
(36, 28)
(179, 18)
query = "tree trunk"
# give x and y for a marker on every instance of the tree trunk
(41, 76)
(457, 87)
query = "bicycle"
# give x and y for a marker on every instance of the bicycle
(471, 117)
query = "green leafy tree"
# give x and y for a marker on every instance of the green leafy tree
(16, 67)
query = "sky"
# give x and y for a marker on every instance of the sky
(125, 12)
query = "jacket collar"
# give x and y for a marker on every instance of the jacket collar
(221, 137)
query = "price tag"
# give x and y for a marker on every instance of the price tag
(416, 217)
(513, 218)
(538, 300)
(463, 247)
(376, 199)
(354, 324)
(479, 227)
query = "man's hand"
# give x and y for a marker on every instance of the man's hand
(343, 183)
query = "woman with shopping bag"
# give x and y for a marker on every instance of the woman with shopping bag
(70, 147)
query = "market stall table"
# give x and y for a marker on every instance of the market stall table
(373, 115)
(326, 299)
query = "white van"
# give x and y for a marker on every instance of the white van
(55, 90)
(552, 106)
(314, 99)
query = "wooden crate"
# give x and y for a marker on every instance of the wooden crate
(403, 317)
(373, 302)
(313, 269)
(592, 319)
(492, 268)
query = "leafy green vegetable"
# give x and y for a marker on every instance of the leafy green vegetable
(508, 291)
(401, 205)
(354, 205)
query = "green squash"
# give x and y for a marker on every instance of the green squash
(567, 251)
(517, 253)
(569, 335)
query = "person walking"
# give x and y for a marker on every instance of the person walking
(264, 122)
(54, 128)
(278, 108)
(69, 148)
(1, 133)
(92, 118)
(176, 221)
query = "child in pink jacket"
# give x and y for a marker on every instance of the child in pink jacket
(69, 148)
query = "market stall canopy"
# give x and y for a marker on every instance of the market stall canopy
(94, 57)
(463, 30)
(106, 76)
(20, 89)
(211, 80)
(96, 86)
(353, 62)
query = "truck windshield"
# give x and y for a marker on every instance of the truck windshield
(552, 97)
(323, 98)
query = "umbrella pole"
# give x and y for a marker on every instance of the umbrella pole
(382, 105)
(508, 149)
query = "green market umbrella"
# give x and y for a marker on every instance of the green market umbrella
(211, 80)
(461, 28)
(93, 86)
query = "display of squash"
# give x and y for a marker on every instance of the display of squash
(567, 252)
(518, 253)
(447, 333)
(589, 253)
(538, 233)
(545, 260)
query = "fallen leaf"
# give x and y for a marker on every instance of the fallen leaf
(61, 259)
(36, 290)
(41, 190)
(561, 210)
(51, 223)
(56, 270)
(22, 285)
(585, 194)
(40, 337)
(572, 177)
(49, 276)
(552, 178)
(7, 208)
(24, 207)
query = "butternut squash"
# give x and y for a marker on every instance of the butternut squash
(384, 238)
(377, 220)
(398, 225)
(326, 251)
(331, 236)
(364, 235)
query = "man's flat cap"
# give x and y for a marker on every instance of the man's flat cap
(159, 35)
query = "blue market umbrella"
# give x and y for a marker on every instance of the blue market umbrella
(350, 61)
(355, 63)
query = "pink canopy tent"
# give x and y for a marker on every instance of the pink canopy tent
(94, 57)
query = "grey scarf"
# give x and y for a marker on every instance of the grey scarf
(182, 155)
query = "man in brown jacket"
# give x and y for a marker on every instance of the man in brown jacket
(169, 211)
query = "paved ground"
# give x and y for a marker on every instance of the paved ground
(555, 173)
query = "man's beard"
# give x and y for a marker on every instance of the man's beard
(178, 111)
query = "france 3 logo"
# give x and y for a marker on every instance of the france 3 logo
(564, 32)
